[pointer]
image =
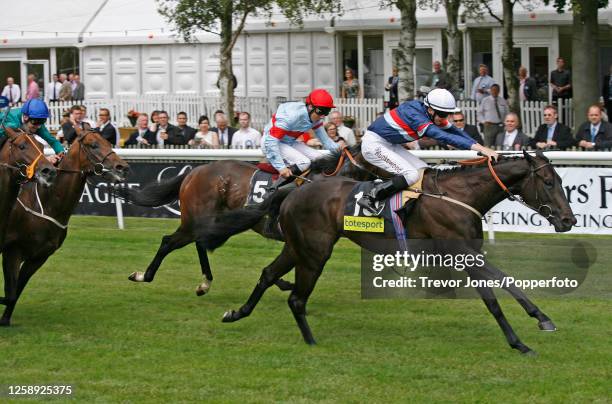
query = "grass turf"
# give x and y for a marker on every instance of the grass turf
(81, 322)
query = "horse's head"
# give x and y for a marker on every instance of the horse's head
(543, 191)
(96, 156)
(23, 153)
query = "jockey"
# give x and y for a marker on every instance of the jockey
(293, 119)
(31, 118)
(382, 143)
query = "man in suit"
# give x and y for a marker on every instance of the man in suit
(139, 136)
(512, 138)
(75, 125)
(595, 133)
(226, 133)
(78, 93)
(106, 128)
(186, 132)
(528, 88)
(552, 134)
(162, 133)
(391, 87)
(438, 78)
(606, 91)
(66, 88)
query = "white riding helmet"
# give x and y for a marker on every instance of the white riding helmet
(441, 100)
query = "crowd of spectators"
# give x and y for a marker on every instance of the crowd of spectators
(62, 87)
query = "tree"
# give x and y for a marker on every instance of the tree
(219, 17)
(585, 52)
(508, 62)
(406, 46)
(471, 9)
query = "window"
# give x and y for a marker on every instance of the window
(67, 60)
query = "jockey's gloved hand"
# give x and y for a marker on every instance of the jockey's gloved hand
(285, 172)
(485, 151)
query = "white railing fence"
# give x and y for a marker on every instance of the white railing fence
(364, 111)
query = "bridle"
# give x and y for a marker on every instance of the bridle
(98, 165)
(542, 207)
(27, 171)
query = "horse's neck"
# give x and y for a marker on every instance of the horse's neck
(481, 190)
(61, 198)
(9, 190)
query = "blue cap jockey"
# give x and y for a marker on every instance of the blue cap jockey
(382, 144)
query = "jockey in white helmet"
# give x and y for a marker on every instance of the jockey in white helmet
(382, 144)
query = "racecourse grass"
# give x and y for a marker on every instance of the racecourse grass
(81, 322)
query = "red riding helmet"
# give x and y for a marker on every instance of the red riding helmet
(320, 98)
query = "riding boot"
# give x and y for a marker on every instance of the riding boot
(295, 171)
(382, 191)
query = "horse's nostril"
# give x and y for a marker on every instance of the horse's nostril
(568, 221)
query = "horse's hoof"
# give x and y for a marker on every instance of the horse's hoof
(230, 316)
(136, 277)
(547, 326)
(530, 353)
(203, 289)
(311, 342)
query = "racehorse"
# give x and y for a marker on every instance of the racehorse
(21, 159)
(39, 221)
(311, 218)
(222, 186)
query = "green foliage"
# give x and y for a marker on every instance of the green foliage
(191, 16)
(561, 5)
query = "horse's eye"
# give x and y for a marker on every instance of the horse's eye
(548, 183)
(21, 147)
(94, 145)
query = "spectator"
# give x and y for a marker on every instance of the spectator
(165, 133)
(11, 91)
(66, 88)
(528, 90)
(552, 134)
(185, 133)
(32, 90)
(75, 124)
(470, 130)
(106, 128)
(595, 133)
(561, 81)
(438, 78)
(606, 92)
(225, 133)
(53, 89)
(205, 138)
(72, 82)
(246, 137)
(332, 132)
(391, 87)
(78, 91)
(86, 119)
(481, 87)
(139, 136)
(350, 86)
(491, 111)
(345, 133)
(511, 138)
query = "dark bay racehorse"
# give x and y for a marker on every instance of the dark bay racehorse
(222, 186)
(21, 159)
(311, 219)
(32, 239)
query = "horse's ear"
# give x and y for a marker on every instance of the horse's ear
(540, 154)
(10, 132)
(528, 157)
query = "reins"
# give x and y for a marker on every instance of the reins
(346, 154)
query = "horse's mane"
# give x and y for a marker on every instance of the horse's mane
(328, 163)
(467, 168)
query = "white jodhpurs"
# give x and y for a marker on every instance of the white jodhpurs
(391, 157)
(299, 154)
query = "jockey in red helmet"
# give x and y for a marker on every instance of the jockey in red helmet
(292, 120)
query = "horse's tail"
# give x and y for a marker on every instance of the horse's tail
(214, 231)
(155, 194)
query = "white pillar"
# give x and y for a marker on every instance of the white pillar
(52, 62)
(467, 63)
(360, 60)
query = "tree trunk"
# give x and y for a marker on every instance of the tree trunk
(510, 76)
(405, 51)
(453, 38)
(226, 73)
(585, 58)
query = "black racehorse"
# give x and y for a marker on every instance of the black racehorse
(311, 219)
